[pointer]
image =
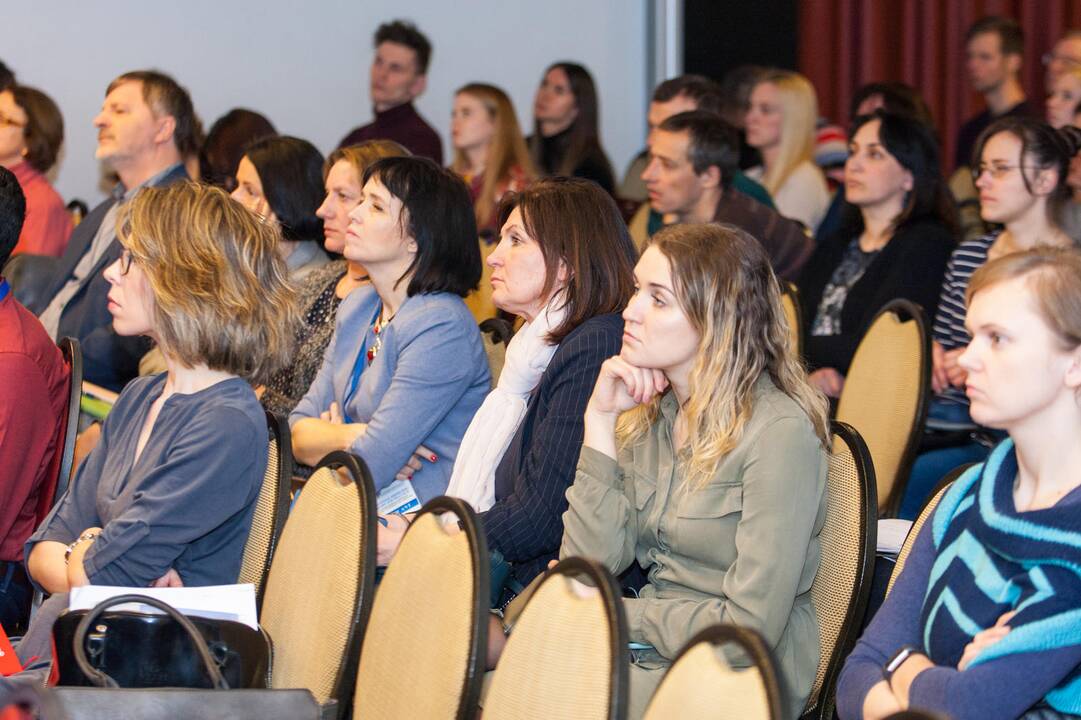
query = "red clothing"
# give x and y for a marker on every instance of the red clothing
(404, 126)
(48, 223)
(516, 181)
(33, 403)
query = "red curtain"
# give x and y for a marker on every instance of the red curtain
(844, 44)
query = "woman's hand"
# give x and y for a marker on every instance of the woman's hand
(389, 538)
(621, 386)
(828, 381)
(985, 639)
(416, 462)
(171, 579)
(939, 379)
(880, 702)
(955, 374)
(313, 437)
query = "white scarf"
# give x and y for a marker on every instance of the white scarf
(493, 427)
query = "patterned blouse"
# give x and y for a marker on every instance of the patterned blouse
(853, 264)
(319, 303)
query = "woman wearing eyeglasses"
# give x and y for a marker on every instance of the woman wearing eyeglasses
(1021, 177)
(167, 496)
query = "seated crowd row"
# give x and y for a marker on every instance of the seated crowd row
(650, 412)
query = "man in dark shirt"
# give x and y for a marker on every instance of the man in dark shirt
(693, 159)
(994, 47)
(399, 74)
(33, 403)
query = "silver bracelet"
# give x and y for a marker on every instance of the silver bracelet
(88, 535)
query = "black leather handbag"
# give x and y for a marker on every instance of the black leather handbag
(141, 650)
(106, 700)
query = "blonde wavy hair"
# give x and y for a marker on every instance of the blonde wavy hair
(799, 115)
(507, 148)
(221, 291)
(725, 286)
(361, 155)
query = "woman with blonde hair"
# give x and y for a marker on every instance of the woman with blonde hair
(489, 150)
(704, 459)
(781, 126)
(1063, 98)
(324, 288)
(166, 497)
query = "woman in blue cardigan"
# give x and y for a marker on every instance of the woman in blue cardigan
(983, 622)
(564, 265)
(406, 365)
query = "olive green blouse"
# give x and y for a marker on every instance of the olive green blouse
(743, 549)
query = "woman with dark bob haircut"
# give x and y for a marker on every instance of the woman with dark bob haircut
(564, 265)
(406, 366)
(896, 237)
(280, 179)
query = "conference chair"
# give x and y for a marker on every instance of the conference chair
(319, 589)
(793, 315)
(427, 637)
(702, 684)
(496, 334)
(885, 395)
(924, 515)
(271, 509)
(567, 656)
(841, 587)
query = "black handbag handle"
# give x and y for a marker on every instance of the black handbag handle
(100, 679)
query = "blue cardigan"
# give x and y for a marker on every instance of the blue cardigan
(422, 388)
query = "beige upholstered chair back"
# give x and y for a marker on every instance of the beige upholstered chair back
(921, 520)
(567, 655)
(320, 581)
(840, 589)
(791, 306)
(884, 395)
(271, 509)
(703, 684)
(425, 644)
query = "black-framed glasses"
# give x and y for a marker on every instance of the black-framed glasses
(125, 261)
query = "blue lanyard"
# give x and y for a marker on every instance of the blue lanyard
(5, 288)
(359, 364)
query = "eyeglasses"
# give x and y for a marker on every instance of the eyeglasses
(997, 172)
(1049, 58)
(125, 261)
(5, 121)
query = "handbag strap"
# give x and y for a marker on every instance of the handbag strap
(100, 679)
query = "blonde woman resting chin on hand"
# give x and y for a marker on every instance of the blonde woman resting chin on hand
(704, 430)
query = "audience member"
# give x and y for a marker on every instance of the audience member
(709, 412)
(566, 138)
(225, 143)
(894, 243)
(280, 179)
(736, 87)
(994, 49)
(33, 405)
(166, 498)
(1063, 97)
(681, 94)
(325, 288)
(983, 621)
(492, 157)
(31, 132)
(489, 151)
(145, 129)
(781, 126)
(399, 75)
(1022, 182)
(1066, 55)
(406, 365)
(690, 177)
(564, 265)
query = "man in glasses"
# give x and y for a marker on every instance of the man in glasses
(1066, 55)
(146, 127)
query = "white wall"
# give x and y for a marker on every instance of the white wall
(305, 66)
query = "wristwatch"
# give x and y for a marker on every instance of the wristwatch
(897, 660)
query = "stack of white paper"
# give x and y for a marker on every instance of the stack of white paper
(224, 602)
